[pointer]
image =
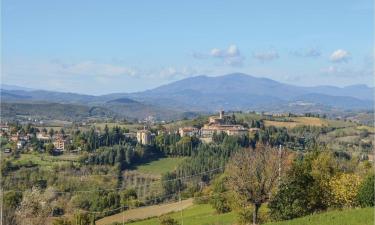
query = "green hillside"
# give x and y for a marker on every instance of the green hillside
(347, 217)
(205, 214)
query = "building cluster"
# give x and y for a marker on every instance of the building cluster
(23, 140)
(216, 124)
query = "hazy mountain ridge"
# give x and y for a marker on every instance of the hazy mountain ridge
(206, 94)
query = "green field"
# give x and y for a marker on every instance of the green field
(204, 214)
(43, 160)
(197, 214)
(160, 166)
(348, 217)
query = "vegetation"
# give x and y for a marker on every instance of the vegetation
(253, 174)
(347, 217)
(236, 178)
(197, 214)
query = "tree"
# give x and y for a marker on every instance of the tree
(306, 188)
(365, 196)
(218, 199)
(295, 197)
(51, 132)
(253, 174)
(344, 189)
(11, 201)
(84, 219)
(49, 148)
(34, 208)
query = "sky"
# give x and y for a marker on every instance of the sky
(97, 47)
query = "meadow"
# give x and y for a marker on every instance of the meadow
(204, 214)
(160, 166)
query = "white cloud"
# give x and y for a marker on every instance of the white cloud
(231, 51)
(349, 72)
(308, 53)
(215, 52)
(339, 56)
(96, 69)
(230, 56)
(266, 56)
(175, 73)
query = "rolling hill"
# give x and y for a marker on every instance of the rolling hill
(207, 94)
(243, 92)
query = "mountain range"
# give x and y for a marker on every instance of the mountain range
(206, 94)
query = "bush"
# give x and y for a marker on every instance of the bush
(62, 221)
(344, 189)
(295, 197)
(365, 196)
(220, 203)
(166, 220)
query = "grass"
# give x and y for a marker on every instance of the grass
(348, 217)
(297, 121)
(194, 215)
(44, 160)
(145, 212)
(160, 166)
(204, 215)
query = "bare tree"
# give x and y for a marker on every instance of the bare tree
(34, 208)
(253, 174)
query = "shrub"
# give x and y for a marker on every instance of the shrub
(365, 196)
(166, 220)
(220, 203)
(344, 189)
(62, 221)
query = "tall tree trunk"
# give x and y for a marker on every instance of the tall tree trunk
(255, 213)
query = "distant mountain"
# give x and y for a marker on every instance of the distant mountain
(243, 92)
(15, 87)
(360, 91)
(54, 111)
(47, 96)
(206, 94)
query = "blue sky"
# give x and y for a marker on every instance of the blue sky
(98, 47)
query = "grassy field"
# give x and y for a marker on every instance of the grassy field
(160, 166)
(205, 214)
(195, 215)
(146, 212)
(43, 160)
(349, 217)
(297, 121)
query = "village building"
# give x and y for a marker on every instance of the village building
(4, 127)
(15, 137)
(217, 125)
(43, 137)
(144, 137)
(188, 131)
(20, 144)
(60, 143)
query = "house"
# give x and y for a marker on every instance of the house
(15, 137)
(188, 131)
(144, 137)
(43, 137)
(60, 142)
(4, 127)
(20, 144)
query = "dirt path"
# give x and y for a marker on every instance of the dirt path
(146, 212)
